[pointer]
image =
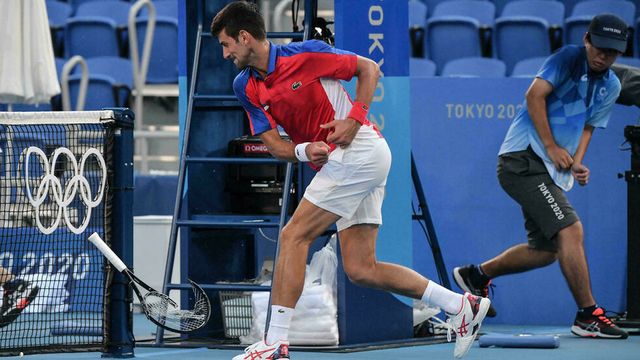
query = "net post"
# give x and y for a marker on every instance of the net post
(120, 334)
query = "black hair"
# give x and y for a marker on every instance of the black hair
(239, 15)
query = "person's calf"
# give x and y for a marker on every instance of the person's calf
(517, 259)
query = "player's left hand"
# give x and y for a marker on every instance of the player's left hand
(341, 132)
(580, 173)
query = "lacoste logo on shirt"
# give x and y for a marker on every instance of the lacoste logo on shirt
(296, 85)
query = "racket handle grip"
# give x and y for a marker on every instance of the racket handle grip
(107, 252)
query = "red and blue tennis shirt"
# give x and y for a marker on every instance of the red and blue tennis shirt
(300, 92)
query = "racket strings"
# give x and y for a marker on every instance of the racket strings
(165, 311)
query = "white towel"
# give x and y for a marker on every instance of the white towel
(27, 66)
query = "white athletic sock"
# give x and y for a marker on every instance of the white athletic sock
(279, 324)
(443, 298)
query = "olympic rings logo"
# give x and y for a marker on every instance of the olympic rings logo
(63, 198)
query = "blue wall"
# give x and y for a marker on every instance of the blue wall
(458, 125)
(368, 28)
(374, 36)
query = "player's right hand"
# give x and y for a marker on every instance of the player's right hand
(560, 157)
(318, 153)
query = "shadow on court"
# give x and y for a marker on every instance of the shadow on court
(571, 348)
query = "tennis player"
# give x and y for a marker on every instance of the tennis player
(17, 295)
(297, 86)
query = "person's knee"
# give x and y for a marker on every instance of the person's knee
(359, 273)
(572, 235)
(292, 236)
(547, 257)
(542, 255)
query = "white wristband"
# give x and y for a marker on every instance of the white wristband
(301, 151)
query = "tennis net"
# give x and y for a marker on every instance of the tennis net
(55, 189)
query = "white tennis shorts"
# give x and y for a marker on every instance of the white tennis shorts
(351, 184)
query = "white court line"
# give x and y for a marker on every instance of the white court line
(171, 352)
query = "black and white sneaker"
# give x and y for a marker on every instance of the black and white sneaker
(462, 276)
(18, 294)
(597, 325)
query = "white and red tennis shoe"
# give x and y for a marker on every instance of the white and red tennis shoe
(466, 323)
(262, 351)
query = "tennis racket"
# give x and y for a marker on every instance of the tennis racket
(158, 307)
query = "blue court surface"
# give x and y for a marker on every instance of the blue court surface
(571, 347)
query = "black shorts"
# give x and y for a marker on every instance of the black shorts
(545, 207)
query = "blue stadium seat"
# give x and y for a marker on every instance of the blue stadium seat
(637, 36)
(75, 4)
(431, 5)
(166, 8)
(419, 67)
(118, 11)
(528, 67)
(475, 67)
(589, 8)
(500, 5)
(163, 62)
(91, 36)
(482, 10)
(58, 12)
(101, 92)
(536, 23)
(550, 10)
(631, 61)
(116, 68)
(569, 5)
(576, 25)
(417, 13)
(417, 25)
(459, 28)
(59, 65)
